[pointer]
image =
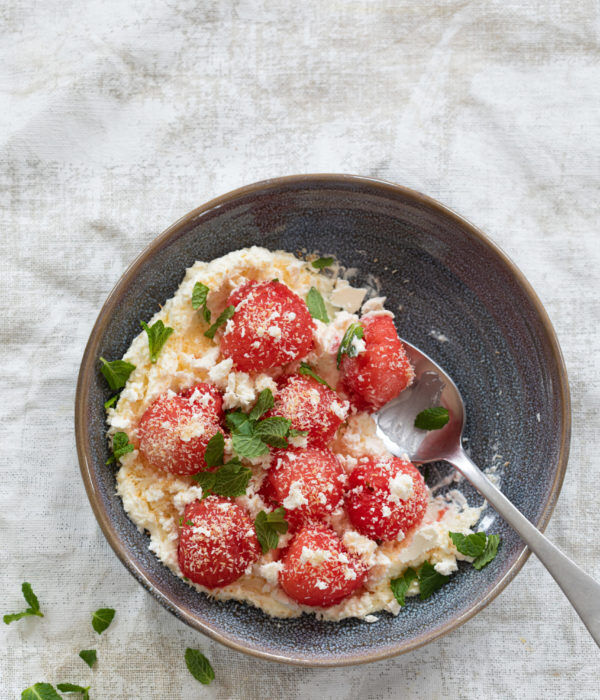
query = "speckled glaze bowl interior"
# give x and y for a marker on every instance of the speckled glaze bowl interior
(441, 276)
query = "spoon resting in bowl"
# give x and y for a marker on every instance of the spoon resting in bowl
(395, 426)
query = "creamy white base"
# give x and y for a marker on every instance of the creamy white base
(155, 500)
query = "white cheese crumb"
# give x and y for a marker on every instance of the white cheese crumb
(270, 571)
(401, 488)
(274, 332)
(219, 374)
(314, 556)
(371, 618)
(295, 497)
(347, 297)
(321, 585)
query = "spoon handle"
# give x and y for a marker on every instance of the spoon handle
(581, 590)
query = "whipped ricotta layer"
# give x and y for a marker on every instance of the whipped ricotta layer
(155, 500)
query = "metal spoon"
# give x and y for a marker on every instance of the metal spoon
(395, 426)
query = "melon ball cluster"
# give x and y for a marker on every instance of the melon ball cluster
(384, 498)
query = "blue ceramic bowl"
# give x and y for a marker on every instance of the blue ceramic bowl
(446, 277)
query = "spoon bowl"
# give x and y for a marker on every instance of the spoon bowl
(396, 427)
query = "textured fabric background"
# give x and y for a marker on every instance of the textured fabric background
(118, 117)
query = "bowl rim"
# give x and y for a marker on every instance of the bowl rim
(87, 368)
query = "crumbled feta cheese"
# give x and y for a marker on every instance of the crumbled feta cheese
(295, 497)
(314, 556)
(401, 488)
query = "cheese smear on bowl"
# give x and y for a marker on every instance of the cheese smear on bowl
(155, 500)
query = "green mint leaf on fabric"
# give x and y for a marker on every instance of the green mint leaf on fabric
(213, 455)
(470, 545)
(321, 263)
(199, 666)
(309, 372)
(231, 480)
(199, 297)
(121, 446)
(249, 446)
(110, 402)
(40, 691)
(73, 688)
(102, 618)
(432, 418)
(430, 580)
(401, 585)
(297, 433)
(347, 346)
(223, 317)
(116, 372)
(316, 305)
(489, 553)
(273, 431)
(158, 334)
(32, 611)
(89, 656)
(264, 403)
(268, 527)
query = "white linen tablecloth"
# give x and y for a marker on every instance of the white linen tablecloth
(118, 117)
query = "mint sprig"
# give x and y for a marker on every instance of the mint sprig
(268, 527)
(199, 666)
(121, 446)
(110, 402)
(102, 618)
(199, 297)
(430, 580)
(470, 545)
(273, 431)
(158, 334)
(40, 691)
(401, 585)
(215, 448)
(309, 372)
(249, 446)
(223, 317)
(432, 418)
(321, 263)
(89, 656)
(489, 553)
(32, 602)
(347, 347)
(73, 688)
(264, 403)
(230, 481)
(316, 305)
(116, 372)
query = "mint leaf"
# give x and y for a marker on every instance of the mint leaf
(199, 297)
(40, 691)
(223, 318)
(213, 455)
(116, 372)
(30, 597)
(121, 446)
(102, 618)
(199, 666)
(231, 480)
(430, 580)
(110, 402)
(401, 585)
(297, 433)
(239, 422)
(265, 403)
(249, 446)
(489, 553)
(158, 334)
(347, 347)
(32, 610)
(268, 527)
(206, 481)
(89, 656)
(432, 418)
(316, 305)
(320, 263)
(306, 369)
(72, 688)
(469, 545)
(273, 431)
